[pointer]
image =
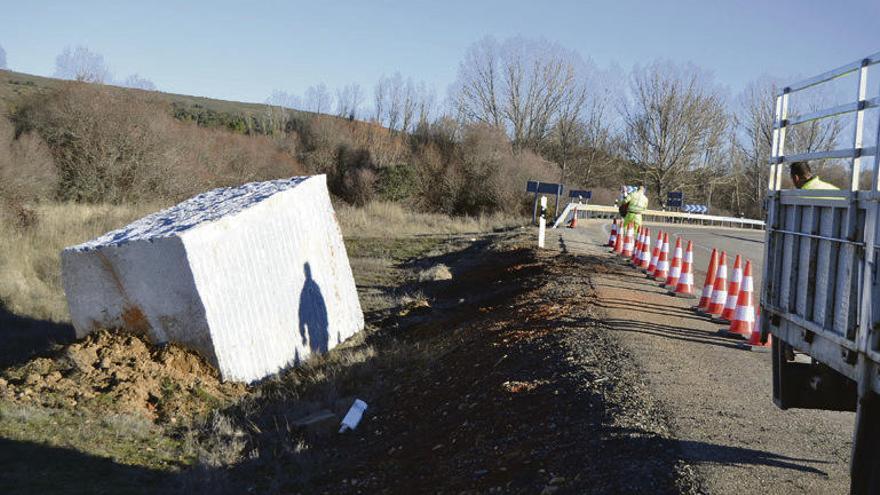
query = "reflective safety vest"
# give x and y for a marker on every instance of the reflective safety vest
(637, 202)
(816, 183)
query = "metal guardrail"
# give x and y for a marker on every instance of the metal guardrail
(600, 211)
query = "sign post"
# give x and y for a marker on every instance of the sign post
(674, 199)
(542, 222)
(539, 188)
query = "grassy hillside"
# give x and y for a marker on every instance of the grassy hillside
(14, 85)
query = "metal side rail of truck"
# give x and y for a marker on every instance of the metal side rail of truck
(820, 296)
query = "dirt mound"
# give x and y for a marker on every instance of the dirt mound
(122, 373)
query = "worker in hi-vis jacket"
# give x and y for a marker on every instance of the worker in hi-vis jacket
(803, 178)
(632, 206)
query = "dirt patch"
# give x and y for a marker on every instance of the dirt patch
(121, 373)
(516, 389)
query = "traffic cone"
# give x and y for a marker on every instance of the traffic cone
(637, 256)
(618, 241)
(733, 290)
(742, 321)
(646, 251)
(628, 242)
(574, 219)
(613, 236)
(754, 343)
(706, 297)
(685, 286)
(638, 245)
(719, 290)
(652, 266)
(662, 269)
(675, 267)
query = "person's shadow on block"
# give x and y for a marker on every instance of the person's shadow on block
(313, 314)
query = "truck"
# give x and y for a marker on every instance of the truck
(820, 297)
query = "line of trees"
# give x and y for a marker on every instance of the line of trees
(666, 125)
(519, 109)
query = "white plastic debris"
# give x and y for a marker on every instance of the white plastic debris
(353, 416)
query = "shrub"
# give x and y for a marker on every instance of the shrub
(117, 146)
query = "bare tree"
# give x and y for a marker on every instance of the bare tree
(318, 99)
(476, 93)
(755, 119)
(672, 117)
(425, 106)
(81, 64)
(2, 58)
(349, 100)
(137, 82)
(284, 99)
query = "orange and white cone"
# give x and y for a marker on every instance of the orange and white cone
(618, 242)
(685, 286)
(733, 290)
(613, 237)
(719, 290)
(675, 267)
(743, 320)
(706, 296)
(646, 251)
(634, 258)
(574, 219)
(662, 270)
(652, 266)
(628, 242)
(754, 343)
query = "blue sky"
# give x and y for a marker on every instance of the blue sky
(243, 50)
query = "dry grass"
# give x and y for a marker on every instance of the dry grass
(30, 276)
(30, 271)
(385, 220)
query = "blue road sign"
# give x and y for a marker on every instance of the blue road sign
(695, 209)
(582, 194)
(543, 187)
(674, 199)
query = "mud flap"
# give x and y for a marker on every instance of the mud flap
(809, 385)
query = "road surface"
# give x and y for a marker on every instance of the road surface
(717, 397)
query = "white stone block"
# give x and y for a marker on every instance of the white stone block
(255, 278)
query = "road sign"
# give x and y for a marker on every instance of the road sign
(543, 187)
(674, 199)
(695, 209)
(581, 194)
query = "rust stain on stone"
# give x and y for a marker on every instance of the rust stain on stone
(135, 320)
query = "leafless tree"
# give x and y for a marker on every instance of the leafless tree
(318, 99)
(672, 117)
(755, 120)
(81, 64)
(425, 105)
(2, 58)
(138, 82)
(522, 85)
(349, 100)
(284, 99)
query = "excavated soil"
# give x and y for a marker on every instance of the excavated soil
(120, 373)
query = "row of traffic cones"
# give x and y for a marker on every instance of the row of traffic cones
(677, 273)
(732, 301)
(727, 301)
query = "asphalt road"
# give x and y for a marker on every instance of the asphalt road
(717, 398)
(747, 243)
